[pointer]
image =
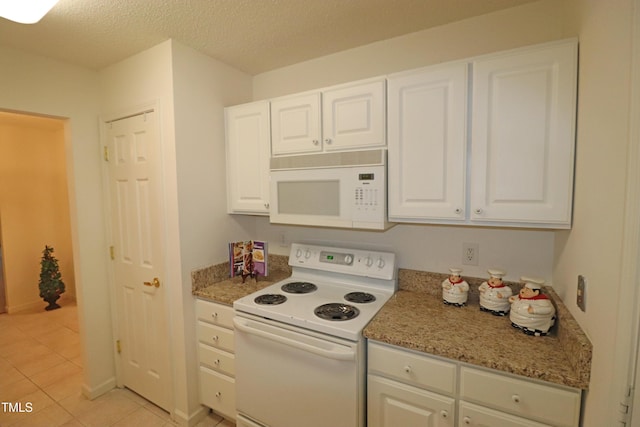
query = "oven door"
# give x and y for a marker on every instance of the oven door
(287, 377)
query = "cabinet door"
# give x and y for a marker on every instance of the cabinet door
(353, 116)
(248, 147)
(478, 416)
(427, 116)
(523, 136)
(392, 404)
(295, 124)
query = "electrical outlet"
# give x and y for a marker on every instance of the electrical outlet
(470, 253)
(581, 294)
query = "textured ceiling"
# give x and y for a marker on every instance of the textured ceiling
(251, 35)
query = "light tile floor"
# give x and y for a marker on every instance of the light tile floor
(41, 378)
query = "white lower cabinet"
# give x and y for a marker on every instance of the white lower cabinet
(408, 388)
(392, 403)
(214, 330)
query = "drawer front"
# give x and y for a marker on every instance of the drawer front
(478, 416)
(412, 368)
(218, 392)
(548, 404)
(216, 336)
(217, 314)
(216, 359)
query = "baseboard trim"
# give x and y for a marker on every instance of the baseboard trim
(92, 393)
(190, 420)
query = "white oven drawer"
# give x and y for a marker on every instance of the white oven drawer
(412, 368)
(218, 314)
(216, 336)
(218, 392)
(216, 359)
(557, 406)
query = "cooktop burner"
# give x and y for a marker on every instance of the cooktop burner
(359, 297)
(270, 299)
(299, 287)
(336, 311)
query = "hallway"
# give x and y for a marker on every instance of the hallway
(41, 369)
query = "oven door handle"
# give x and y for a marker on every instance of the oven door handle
(336, 353)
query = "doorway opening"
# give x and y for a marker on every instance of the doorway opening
(34, 207)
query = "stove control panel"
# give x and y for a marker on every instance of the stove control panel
(380, 265)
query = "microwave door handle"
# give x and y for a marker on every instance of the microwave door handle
(329, 354)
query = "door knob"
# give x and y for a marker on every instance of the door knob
(155, 283)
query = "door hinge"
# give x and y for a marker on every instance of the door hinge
(118, 346)
(624, 408)
(106, 153)
(112, 252)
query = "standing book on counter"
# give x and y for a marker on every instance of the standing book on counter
(248, 258)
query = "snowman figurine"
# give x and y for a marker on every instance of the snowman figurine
(494, 294)
(531, 310)
(454, 289)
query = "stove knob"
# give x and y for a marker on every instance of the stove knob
(298, 253)
(380, 263)
(368, 261)
(307, 254)
(348, 259)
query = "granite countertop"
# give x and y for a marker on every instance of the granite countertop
(213, 283)
(416, 318)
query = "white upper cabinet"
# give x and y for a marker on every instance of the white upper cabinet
(523, 136)
(345, 117)
(509, 164)
(296, 125)
(354, 116)
(248, 152)
(427, 117)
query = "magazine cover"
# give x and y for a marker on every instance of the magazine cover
(248, 258)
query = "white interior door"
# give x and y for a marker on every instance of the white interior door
(136, 215)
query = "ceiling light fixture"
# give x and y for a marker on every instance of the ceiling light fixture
(25, 11)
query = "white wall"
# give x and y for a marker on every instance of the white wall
(38, 85)
(202, 87)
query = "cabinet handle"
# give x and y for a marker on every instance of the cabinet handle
(444, 414)
(328, 141)
(315, 142)
(215, 338)
(217, 362)
(218, 394)
(407, 369)
(458, 211)
(467, 420)
(478, 211)
(515, 398)
(266, 205)
(214, 315)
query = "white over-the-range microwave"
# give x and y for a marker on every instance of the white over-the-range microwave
(345, 190)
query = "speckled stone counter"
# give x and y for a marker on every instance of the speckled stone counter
(213, 283)
(416, 318)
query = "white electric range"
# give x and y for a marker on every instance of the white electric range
(300, 353)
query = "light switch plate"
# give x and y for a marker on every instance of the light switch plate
(581, 294)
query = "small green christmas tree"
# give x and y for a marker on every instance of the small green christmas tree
(51, 284)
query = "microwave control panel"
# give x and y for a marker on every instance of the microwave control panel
(369, 198)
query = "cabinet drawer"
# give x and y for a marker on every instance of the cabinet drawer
(216, 336)
(216, 359)
(478, 416)
(413, 368)
(217, 314)
(218, 392)
(557, 406)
